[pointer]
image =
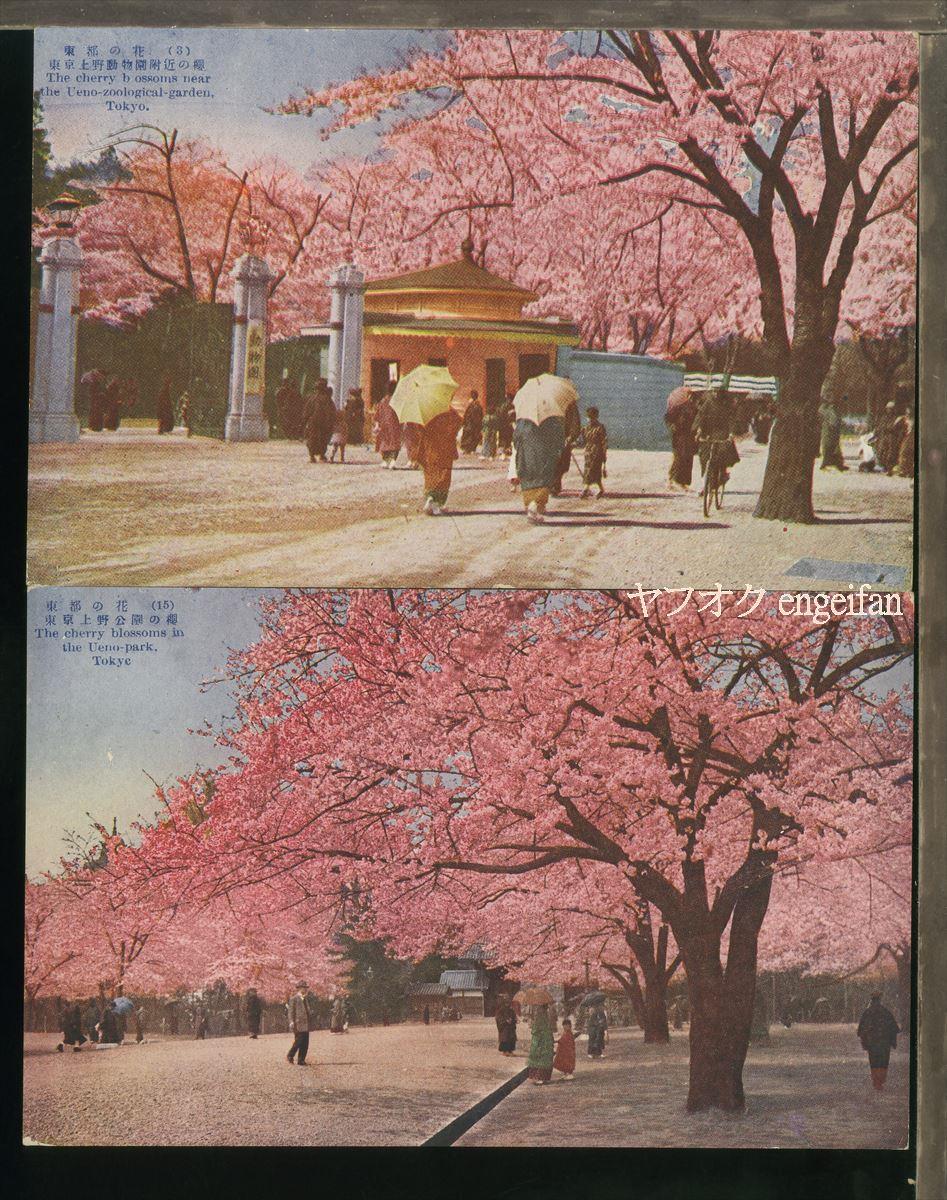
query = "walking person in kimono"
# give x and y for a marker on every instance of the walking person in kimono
(541, 1051)
(387, 432)
(340, 435)
(436, 453)
(565, 1052)
(472, 427)
(538, 448)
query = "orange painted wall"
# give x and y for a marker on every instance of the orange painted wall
(466, 357)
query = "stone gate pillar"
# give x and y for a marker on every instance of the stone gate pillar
(246, 421)
(352, 330)
(53, 402)
(346, 319)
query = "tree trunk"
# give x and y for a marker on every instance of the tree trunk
(786, 494)
(656, 1012)
(722, 1003)
(712, 1072)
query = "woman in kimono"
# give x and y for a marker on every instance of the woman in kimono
(506, 1027)
(538, 448)
(598, 1023)
(387, 433)
(436, 452)
(541, 1049)
(565, 1051)
(337, 1019)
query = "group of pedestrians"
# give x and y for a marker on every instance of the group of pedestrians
(547, 1052)
(99, 1023)
(539, 455)
(109, 398)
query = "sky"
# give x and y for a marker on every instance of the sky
(250, 69)
(94, 730)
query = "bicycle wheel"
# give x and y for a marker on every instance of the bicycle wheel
(708, 490)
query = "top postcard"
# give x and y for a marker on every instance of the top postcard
(318, 307)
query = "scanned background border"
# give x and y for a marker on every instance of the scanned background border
(926, 17)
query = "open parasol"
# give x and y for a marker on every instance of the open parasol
(423, 394)
(592, 998)
(542, 397)
(533, 995)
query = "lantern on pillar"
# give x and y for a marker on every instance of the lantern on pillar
(63, 210)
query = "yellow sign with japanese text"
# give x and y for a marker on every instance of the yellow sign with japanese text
(255, 372)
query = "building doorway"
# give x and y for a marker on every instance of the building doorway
(532, 365)
(495, 390)
(384, 373)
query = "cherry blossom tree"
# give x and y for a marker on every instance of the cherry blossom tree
(48, 947)
(180, 219)
(414, 742)
(799, 142)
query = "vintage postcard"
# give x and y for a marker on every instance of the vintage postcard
(473, 307)
(471, 545)
(445, 848)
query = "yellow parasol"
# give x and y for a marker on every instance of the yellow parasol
(544, 396)
(533, 995)
(423, 394)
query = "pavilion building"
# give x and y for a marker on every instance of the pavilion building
(460, 316)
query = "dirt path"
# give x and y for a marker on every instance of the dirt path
(133, 508)
(809, 1088)
(392, 1086)
(397, 1086)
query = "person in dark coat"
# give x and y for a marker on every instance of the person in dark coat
(598, 1024)
(878, 1033)
(426, 1014)
(289, 408)
(112, 410)
(109, 1031)
(573, 431)
(538, 448)
(355, 416)
(887, 441)
(91, 1018)
(713, 423)
(596, 450)
(472, 429)
(904, 465)
(254, 1013)
(165, 407)
(96, 383)
(320, 421)
(831, 445)
(72, 1034)
(679, 418)
(762, 422)
(506, 1027)
(491, 430)
(201, 1023)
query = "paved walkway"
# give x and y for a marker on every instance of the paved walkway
(397, 1086)
(809, 1088)
(392, 1086)
(133, 508)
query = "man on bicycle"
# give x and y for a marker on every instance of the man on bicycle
(714, 423)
